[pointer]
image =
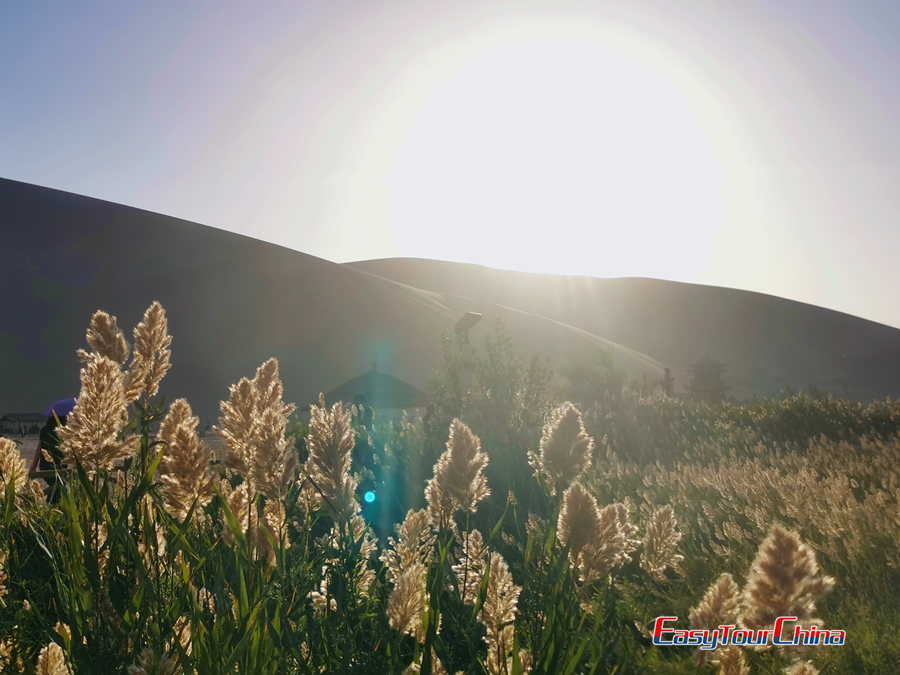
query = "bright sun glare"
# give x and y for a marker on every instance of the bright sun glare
(557, 156)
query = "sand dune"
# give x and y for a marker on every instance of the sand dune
(767, 342)
(233, 301)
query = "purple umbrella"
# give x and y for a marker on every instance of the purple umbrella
(62, 407)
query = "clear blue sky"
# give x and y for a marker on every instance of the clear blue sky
(743, 144)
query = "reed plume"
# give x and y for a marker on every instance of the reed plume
(257, 522)
(182, 634)
(276, 460)
(408, 602)
(239, 500)
(608, 550)
(36, 489)
(93, 427)
(784, 581)
(10, 656)
(459, 481)
(253, 426)
(105, 338)
(3, 589)
(629, 529)
(52, 661)
(732, 661)
(151, 543)
(238, 427)
(95, 537)
(596, 540)
(471, 567)
(321, 602)
(307, 502)
(801, 668)
(720, 606)
(660, 543)
(498, 613)
(415, 543)
(565, 449)
(64, 631)
(12, 468)
(351, 539)
(184, 468)
(254, 519)
(275, 521)
(330, 443)
(579, 519)
(366, 544)
(150, 357)
(406, 567)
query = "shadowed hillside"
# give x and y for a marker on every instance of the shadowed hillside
(767, 342)
(232, 302)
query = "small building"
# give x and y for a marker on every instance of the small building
(707, 380)
(22, 423)
(386, 395)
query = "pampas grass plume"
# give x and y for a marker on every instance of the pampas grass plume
(3, 589)
(105, 338)
(184, 468)
(52, 661)
(660, 543)
(12, 467)
(565, 449)
(459, 481)
(91, 433)
(596, 539)
(471, 566)
(784, 581)
(150, 360)
(408, 602)
(498, 614)
(330, 443)
(801, 668)
(720, 605)
(732, 661)
(253, 426)
(414, 543)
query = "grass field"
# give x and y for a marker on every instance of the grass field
(507, 531)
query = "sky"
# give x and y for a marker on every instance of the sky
(751, 145)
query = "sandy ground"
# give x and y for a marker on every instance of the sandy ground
(27, 445)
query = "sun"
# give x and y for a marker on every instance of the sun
(557, 155)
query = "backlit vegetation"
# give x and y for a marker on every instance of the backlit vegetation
(512, 533)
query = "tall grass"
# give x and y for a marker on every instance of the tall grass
(511, 534)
